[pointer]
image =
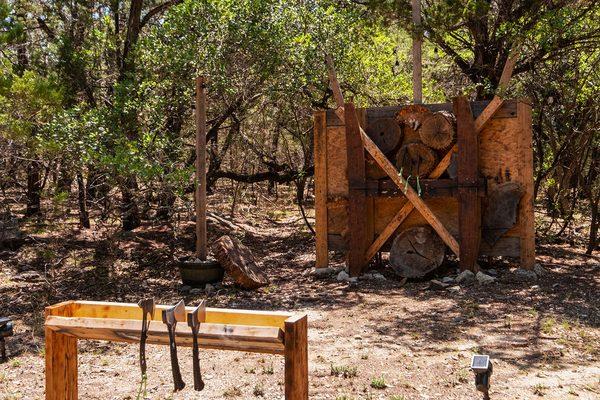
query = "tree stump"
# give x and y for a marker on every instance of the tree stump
(415, 159)
(417, 251)
(11, 236)
(386, 134)
(438, 131)
(239, 263)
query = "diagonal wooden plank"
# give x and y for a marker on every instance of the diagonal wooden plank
(444, 163)
(410, 193)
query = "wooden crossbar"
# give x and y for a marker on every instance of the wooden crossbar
(258, 339)
(240, 330)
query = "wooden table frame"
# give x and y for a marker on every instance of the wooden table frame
(240, 330)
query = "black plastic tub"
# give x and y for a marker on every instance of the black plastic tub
(198, 273)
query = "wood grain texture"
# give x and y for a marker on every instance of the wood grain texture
(61, 366)
(201, 235)
(239, 263)
(469, 213)
(320, 140)
(526, 211)
(417, 251)
(211, 336)
(355, 174)
(296, 358)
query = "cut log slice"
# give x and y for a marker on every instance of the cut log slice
(438, 130)
(386, 134)
(412, 115)
(500, 214)
(416, 159)
(417, 251)
(239, 263)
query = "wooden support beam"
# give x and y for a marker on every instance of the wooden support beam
(355, 173)
(320, 140)
(61, 360)
(444, 163)
(469, 213)
(296, 358)
(212, 336)
(526, 211)
(201, 236)
(99, 309)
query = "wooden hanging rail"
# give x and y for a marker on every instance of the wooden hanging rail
(238, 330)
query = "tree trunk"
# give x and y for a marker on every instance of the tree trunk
(130, 213)
(593, 242)
(84, 218)
(34, 189)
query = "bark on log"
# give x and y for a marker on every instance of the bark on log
(416, 159)
(417, 251)
(386, 134)
(412, 115)
(438, 130)
(239, 263)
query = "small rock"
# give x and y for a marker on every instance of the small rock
(484, 279)
(454, 288)
(185, 288)
(353, 279)
(492, 272)
(539, 270)
(434, 284)
(465, 277)
(343, 276)
(195, 291)
(209, 288)
(379, 277)
(322, 272)
(525, 274)
(448, 279)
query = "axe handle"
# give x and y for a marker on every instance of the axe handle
(143, 337)
(177, 380)
(198, 382)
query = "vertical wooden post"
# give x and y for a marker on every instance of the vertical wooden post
(469, 213)
(201, 246)
(526, 211)
(296, 358)
(355, 173)
(320, 140)
(61, 363)
(416, 53)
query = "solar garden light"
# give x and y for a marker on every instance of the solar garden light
(482, 367)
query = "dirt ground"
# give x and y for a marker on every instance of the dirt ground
(375, 339)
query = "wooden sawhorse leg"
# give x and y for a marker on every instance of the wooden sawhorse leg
(296, 358)
(61, 366)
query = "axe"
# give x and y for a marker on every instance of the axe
(194, 319)
(147, 306)
(170, 317)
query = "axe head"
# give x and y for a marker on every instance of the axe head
(174, 314)
(196, 317)
(147, 306)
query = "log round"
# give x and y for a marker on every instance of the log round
(386, 134)
(416, 159)
(239, 263)
(437, 130)
(412, 115)
(417, 251)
